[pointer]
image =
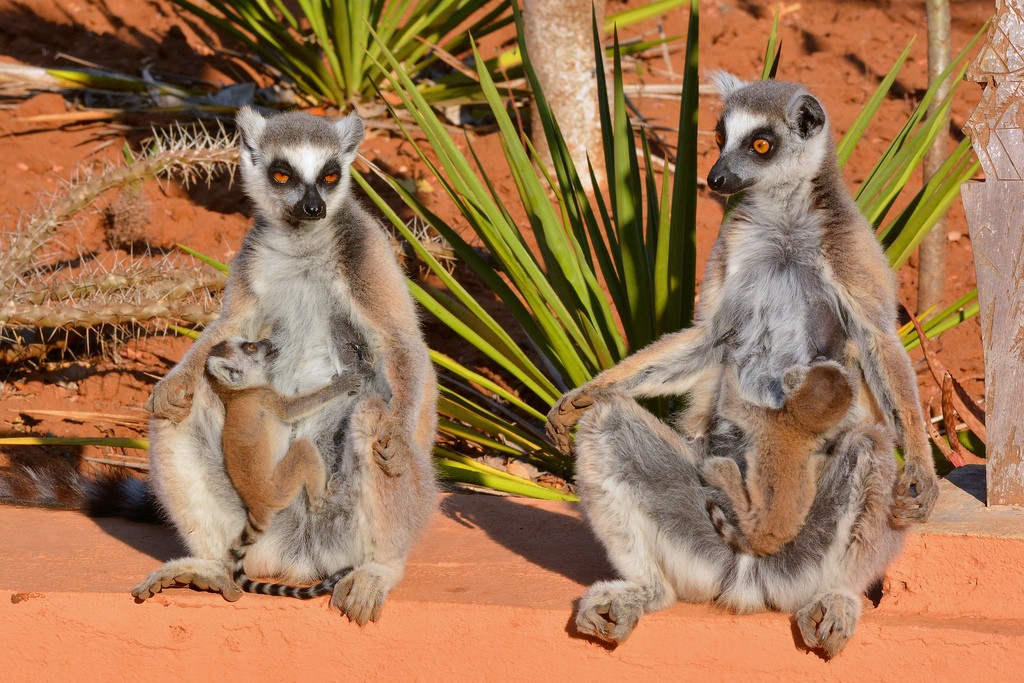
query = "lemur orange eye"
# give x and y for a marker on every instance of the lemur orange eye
(719, 138)
(331, 178)
(281, 177)
(761, 146)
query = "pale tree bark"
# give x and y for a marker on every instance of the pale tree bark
(931, 267)
(559, 40)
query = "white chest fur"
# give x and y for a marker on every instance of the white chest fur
(773, 287)
(295, 280)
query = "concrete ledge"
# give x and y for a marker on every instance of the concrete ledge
(489, 595)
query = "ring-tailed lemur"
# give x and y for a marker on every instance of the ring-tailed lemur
(782, 455)
(315, 274)
(795, 275)
(257, 423)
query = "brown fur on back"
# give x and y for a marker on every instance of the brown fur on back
(785, 457)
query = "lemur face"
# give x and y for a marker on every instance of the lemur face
(770, 134)
(303, 193)
(238, 363)
(296, 166)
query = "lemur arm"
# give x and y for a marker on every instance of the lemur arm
(890, 376)
(667, 367)
(172, 396)
(381, 307)
(293, 408)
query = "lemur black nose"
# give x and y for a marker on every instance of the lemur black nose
(721, 180)
(315, 209)
(716, 181)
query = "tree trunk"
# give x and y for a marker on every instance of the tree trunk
(559, 39)
(931, 267)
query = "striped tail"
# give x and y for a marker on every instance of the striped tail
(238, 552)
(726, 529)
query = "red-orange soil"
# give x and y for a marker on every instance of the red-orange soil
(840, 49)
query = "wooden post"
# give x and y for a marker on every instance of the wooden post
(995, 216)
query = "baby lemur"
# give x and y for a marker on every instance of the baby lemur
(782, 455)
(257, 423)
(316, 275)
(795, 275)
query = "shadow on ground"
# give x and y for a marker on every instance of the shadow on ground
(561, 543)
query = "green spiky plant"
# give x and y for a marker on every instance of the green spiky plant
(634, 241)
(324, 47)
(637, 239)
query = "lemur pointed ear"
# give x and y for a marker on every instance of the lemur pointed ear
(251, 125)
(806, 115)
(726, 83)
(350, 132)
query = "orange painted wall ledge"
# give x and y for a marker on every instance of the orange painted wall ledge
(489, 595)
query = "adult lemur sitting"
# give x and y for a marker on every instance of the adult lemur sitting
(795, 276)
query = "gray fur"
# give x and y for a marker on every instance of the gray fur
(640, 486)
(795, 276)
(319, 289)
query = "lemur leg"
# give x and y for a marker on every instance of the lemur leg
(302, 466)
(724, 474)
(187, 474)
(641, 491)
(393, 510)
(828, 620)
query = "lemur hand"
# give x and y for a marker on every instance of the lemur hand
(566, 412)
(171, 398)
(348, 383)
(917, 489)
(392, 450)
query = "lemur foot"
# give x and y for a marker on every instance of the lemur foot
(610, 610)
(201, 574)
(360, 595)
(828, 622)
(392, 453)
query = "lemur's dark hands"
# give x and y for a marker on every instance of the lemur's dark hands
(917, 490)
(564, 415)
(392, 448)
(171, 398)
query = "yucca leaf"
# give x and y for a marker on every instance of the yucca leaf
(323, 46)
(456, 467)
(208, 260)
(849, 142)
(680, 263)
(960, 310)
(773, 51)
(111, 442)
(905, 233)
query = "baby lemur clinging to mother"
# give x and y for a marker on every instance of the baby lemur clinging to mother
(257, 425)
(783, 456)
